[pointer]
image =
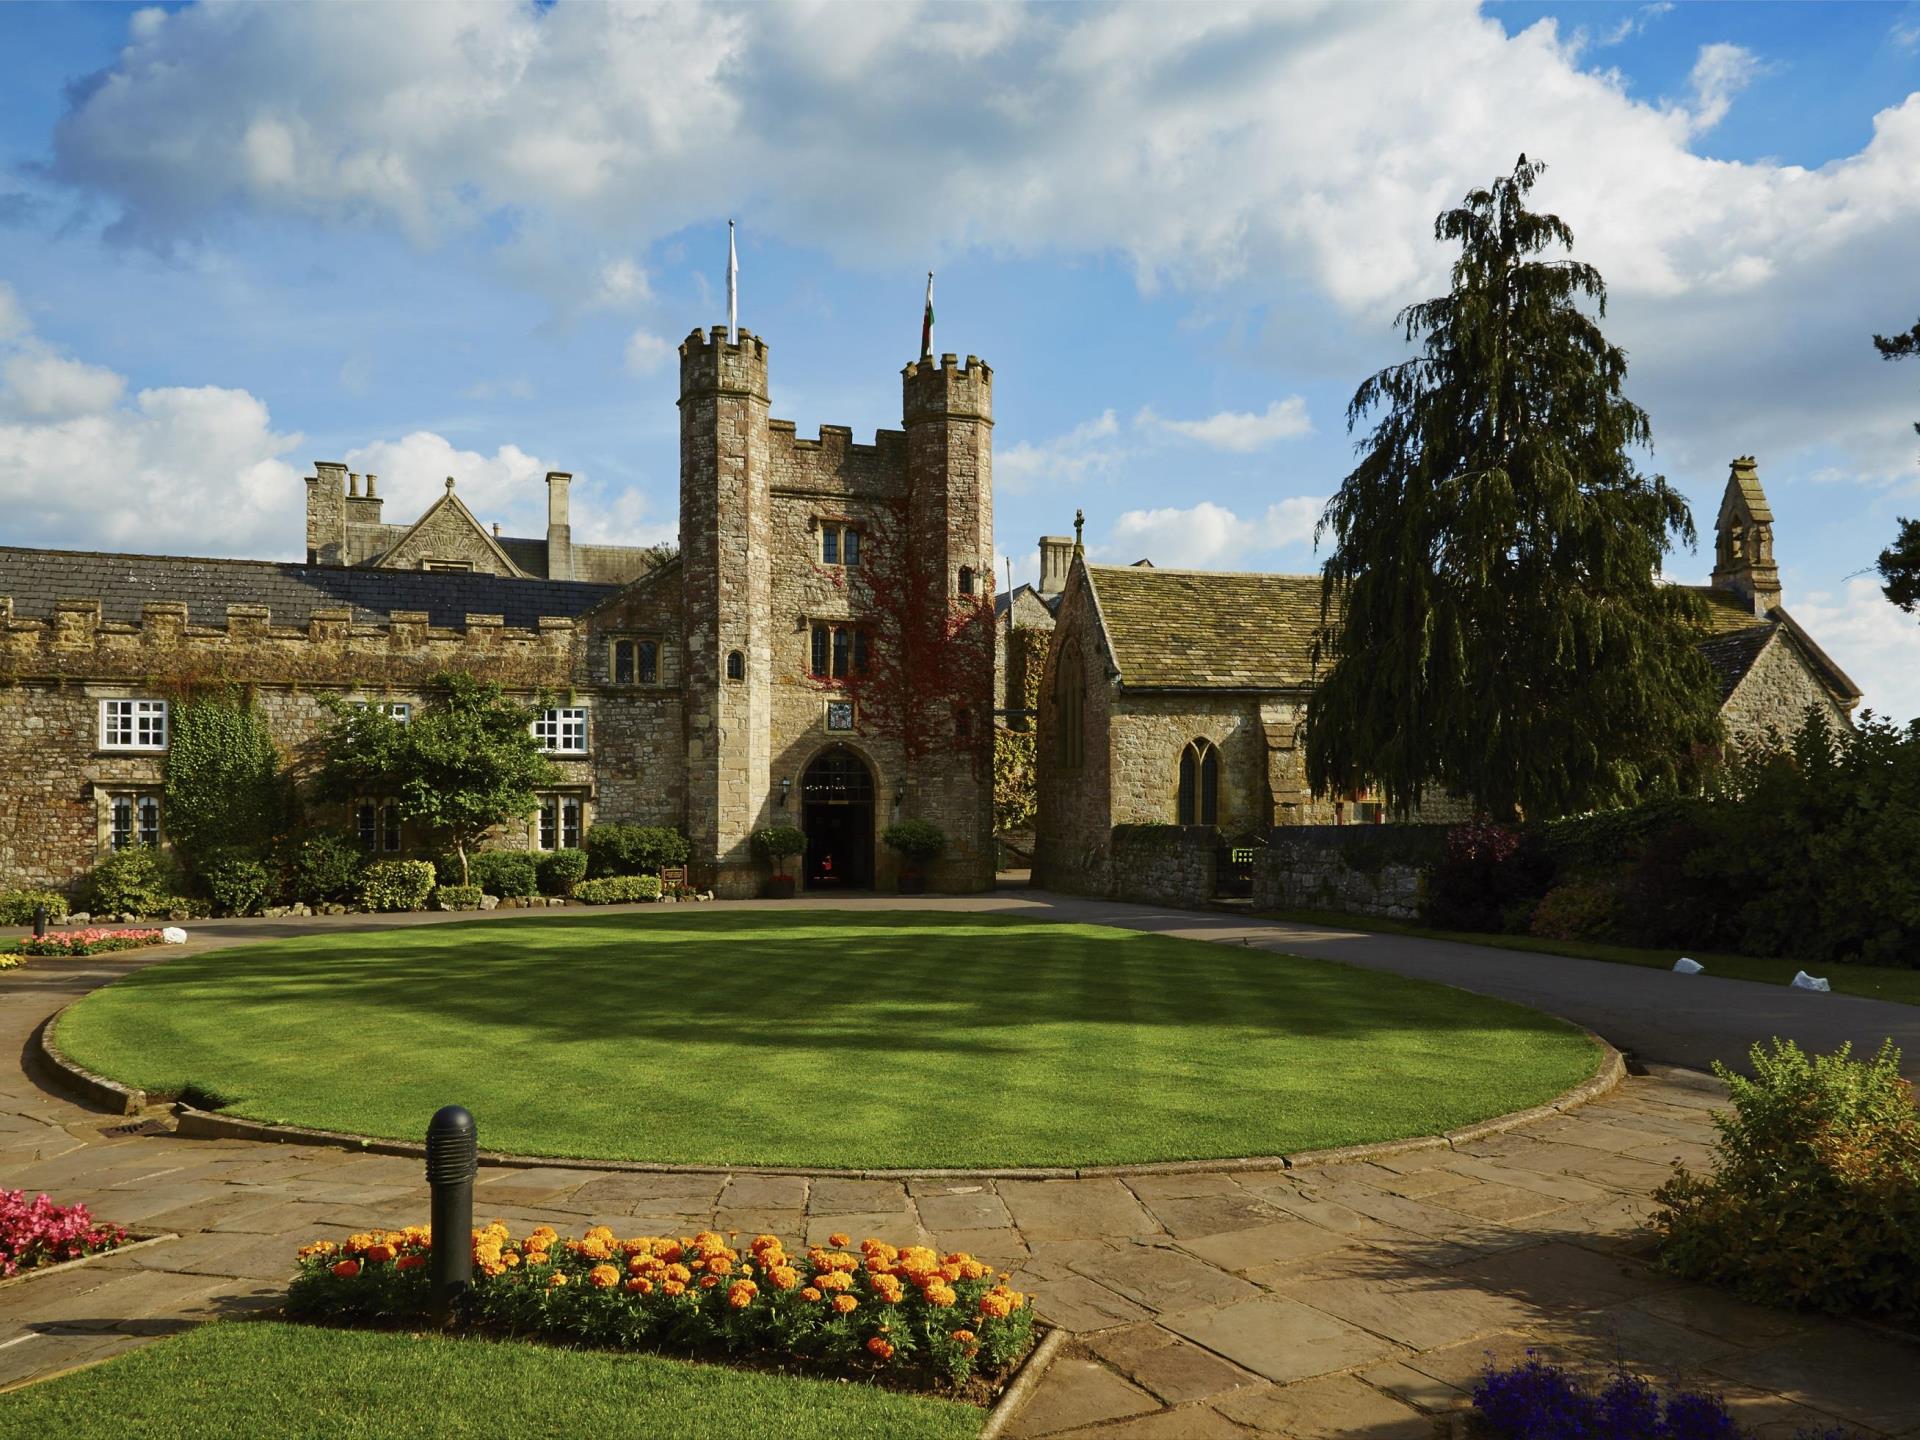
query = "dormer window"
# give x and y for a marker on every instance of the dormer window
(839, 545)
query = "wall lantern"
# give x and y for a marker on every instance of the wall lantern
(786, 784)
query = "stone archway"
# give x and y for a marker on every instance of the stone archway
(836, 812)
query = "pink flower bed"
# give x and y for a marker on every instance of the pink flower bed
(87, 942)
(39, 1232)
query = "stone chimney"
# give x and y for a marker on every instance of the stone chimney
(559, 527)
(363, 509)
(327, 514)
(1743, 540)
(1056, 558)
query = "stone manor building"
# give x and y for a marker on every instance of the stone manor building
(1177, 697)
(819, 653)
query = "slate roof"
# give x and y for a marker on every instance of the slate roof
(36, 579)
(1206, 629)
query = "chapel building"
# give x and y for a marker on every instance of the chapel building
(819, 652)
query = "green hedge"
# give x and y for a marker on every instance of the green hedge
(619, 849)
(238, 881)
(139, 880)
(561, 870)
(617, 890)
(458, 897)
(17, 906)
(501, 872)
(397, 884)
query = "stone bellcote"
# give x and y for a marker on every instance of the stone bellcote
(1743, 540)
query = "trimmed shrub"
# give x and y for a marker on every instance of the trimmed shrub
(915, 841)
(239, 882)
(502, 872)
(1815, 1196)
(17, 906)
(777, 843)
(617, 890)
(561, 870)
(1488, 878)
(325, 867)
(396, 884)
(617, 849)
(458, 897)
(1577, 910)
(139, 880)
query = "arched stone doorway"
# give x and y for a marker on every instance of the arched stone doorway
(836, 811)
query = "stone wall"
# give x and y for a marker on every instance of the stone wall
(1073, 825)
(1165, 864)
(1777, 691)
(1355, 869)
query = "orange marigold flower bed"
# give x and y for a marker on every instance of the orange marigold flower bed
(888, 1309)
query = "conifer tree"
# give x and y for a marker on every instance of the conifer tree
(1899, 563)
(1494, 624)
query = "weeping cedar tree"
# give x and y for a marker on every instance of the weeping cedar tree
(1899, 563)
(468, 760)
(1492, 624)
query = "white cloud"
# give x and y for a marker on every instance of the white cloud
(1209, 536)
(1720, 72)
(623, 519)
(1086, 450)
(13, 319)
(1636, 22)
(623, 284)
(648, 353)
(1873, 640)
(38, 385)
(1238, 430)
(508, 486)
(1907, 37)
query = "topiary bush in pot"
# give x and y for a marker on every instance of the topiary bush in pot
(916, 842)
(778, 845)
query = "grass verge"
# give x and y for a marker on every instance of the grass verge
(301, 1382)
(824, 1039)
(1875, 982)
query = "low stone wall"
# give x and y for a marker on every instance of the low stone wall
(1165, 864)
(1363, 870)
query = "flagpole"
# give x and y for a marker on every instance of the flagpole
(926, 323)
(733, 289)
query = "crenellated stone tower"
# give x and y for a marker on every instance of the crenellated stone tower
(726, 542)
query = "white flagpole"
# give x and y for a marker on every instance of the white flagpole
(733, 289)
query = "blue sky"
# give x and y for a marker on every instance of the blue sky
(434, 240)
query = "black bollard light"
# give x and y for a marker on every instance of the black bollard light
(453, 1158)
(39, 922)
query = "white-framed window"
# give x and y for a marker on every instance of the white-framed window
(559, 827)
(399, 711)
(378, 823)
(133, 724)
(562, 730)
(136, 821)
(839, 545)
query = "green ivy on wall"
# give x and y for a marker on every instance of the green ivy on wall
(224, 784)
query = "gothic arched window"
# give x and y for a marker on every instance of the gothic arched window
(1199, 795)
(1069, 712)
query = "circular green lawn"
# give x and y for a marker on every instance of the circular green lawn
(827, 1039)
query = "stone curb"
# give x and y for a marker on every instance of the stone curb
(97, 1090)
(196, 1124)
(65, 1265)
(1025, 1381)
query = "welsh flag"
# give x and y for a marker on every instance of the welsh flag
(926, 324)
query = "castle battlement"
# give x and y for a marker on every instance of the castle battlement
(710, 364)
(948, 390)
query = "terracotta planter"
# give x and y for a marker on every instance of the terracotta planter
(780, 887)
(913, 884)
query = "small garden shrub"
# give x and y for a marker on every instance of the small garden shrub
(561, 870)
(39, 1232)
(1576, 910)
(916, 841)
(1815, 1196)
(458, 897)
(325, 868)
(139, 880)
(85, 942)
(239, 882)
(616, 849)
(1536, 1401)
(17, 906)
(778, 843)
(500, 872)
(617, 890)
(876, 1310)
(396, 884)
(1488, 878)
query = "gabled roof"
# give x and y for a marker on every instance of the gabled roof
(1205, 629)
(38, 579)
(454, 505)
(1736, 637)
(667, 572)
(1027, 606)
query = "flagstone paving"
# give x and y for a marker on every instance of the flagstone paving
(1349, 1300)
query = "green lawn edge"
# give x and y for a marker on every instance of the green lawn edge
(1874, 982)
(301, 1382)
(1070, 1046)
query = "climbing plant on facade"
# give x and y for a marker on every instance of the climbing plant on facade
(224, 786)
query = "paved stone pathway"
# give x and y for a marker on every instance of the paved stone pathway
(1355, 1300)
